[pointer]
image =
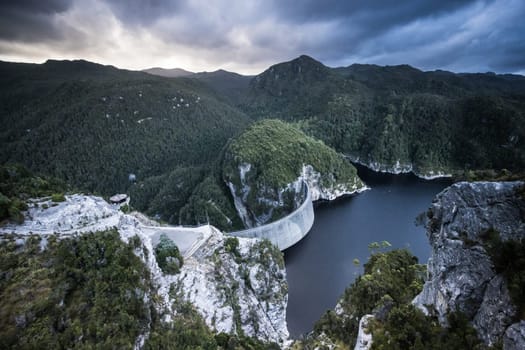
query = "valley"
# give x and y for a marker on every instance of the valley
(202, 155)
(94, 125)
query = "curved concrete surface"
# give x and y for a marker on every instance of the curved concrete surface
(286, 231)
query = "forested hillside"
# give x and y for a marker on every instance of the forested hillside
(231, 85)
(93, 291)
(98, 127)
(106, 130)
(265, 168)
(431, 120)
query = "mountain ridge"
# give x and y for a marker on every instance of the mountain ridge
(389, 118)
(398, 114)
(168, 72)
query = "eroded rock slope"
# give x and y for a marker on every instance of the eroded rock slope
(461, 273)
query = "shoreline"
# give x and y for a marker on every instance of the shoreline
(398, 169)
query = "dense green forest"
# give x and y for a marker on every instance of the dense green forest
(276, 152)
(92, 291)
(433, 120)
(106, 130)
(17, 185)
(59, 296)
(386, 289)
(93, 126)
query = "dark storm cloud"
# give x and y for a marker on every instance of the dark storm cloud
(459, 35)
(488, 35)
(192, 23)
(360, 21)
(382, 13)
(145, 12)
(427, 34)
(31, 20)
(510, 59)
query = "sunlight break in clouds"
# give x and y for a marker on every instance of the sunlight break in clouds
(248, 36)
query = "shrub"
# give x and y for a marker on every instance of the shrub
(395, 276)
(57, 197)
(408, 328)
(17, 185)
(231, 245)
(508, 258)
(125, 209)
(5, 203)
(80, 292)
(168, 256)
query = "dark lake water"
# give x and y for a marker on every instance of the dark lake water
(320, 267)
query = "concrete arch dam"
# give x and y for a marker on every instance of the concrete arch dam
(286, 231)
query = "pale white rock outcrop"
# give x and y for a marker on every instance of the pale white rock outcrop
(364, 336)
(399, 167)
(321, 187)
(239, 201)
(246, 290)
(515, 337)
(328, 189)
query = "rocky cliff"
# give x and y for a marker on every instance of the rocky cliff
(238, 286)
(399, 167)
(462, 274)
(266, 166)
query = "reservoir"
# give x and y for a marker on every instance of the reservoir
(321, 265)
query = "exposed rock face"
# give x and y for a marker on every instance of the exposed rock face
(241, 292)
(495, 312)
(268, 199)
(364, 337)
(461, 274)
(326, 187)
(400, 167)
(321, 186)
(240, 195)
(515, 337)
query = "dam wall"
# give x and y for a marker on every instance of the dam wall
(286, 231)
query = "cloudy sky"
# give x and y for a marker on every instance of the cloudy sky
(247, 36)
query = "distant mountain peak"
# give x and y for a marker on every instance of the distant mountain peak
(71, 63)
(398, 67)
(307, 61)
(306, 58)
(218, 72)
(168, 73)
(79, 67)
(303, 68)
